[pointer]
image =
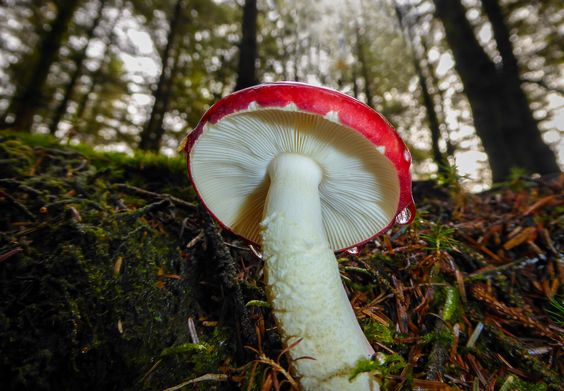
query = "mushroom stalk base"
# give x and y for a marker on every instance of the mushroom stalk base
(304, 284)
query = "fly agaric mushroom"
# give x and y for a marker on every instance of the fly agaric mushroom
(304, 171)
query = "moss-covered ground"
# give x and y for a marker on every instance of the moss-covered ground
(112, 277)
(97, 284)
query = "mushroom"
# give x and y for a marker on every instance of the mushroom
(304, 171)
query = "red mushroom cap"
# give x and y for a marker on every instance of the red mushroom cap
(323, 102)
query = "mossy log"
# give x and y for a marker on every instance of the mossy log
(97, 284)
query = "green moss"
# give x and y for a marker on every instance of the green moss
(452, 308)
(513, 383)
(383, 364)
(71, 315)
(375, 331)
(443, 337)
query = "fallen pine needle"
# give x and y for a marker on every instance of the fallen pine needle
(206, 377)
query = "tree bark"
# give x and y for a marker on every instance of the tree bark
(536, 156)
(363, 66)
(502, 116)
(246, 73)
(95, 79)
(152, 132)
(354, 80)
(428, 102)
(435, 86)
(78, 65)
(297, 53)
(28, 98)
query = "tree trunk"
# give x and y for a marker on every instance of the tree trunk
(246, 73)
(502, 116)
(428, 102)
(297, 45)
(363, 66)
(354, 80)
(95, 78)
(536, 156)
(79, 60)
(152, 132)
(435, 82)
(28, 98)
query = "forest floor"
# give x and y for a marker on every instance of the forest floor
(112, 277)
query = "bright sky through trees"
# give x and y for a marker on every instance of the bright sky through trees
(355, 46)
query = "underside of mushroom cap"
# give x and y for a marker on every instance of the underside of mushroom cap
(365, 184)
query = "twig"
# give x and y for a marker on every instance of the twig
(206, 377)
(20, 206)
(237, 247)
(147, 209)
(489, 273)
(192, 330)
(151, 370)
(16, 183)
(438, 355)
(10, 253)
(137, 190)
(74, 200)
(515, 349)
(475, 335)
(58, 151)
(195, 240)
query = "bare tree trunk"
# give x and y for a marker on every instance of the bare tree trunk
(164, 101)
(152, 132)
(320, 74)
(284, 62)
(535, 155)
(450, 148)
(246, 73)
(363, 66)
(502, 116)
(297, 45)
(28, 98)
(361, 55)
(95, 78)
(78, 65)
(428, 102)
(354, 77)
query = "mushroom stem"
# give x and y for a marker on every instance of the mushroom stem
(304, 284)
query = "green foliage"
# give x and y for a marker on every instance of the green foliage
(515, 181)
(556, 310)
(440, 238)
(443, 337)
(452, 306)
(258, 303)
(448, 177)
(383, 364)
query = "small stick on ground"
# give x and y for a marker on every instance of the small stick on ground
(19, 205)
(207, 377)
(137, 190)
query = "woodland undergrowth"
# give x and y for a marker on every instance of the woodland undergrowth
(112, 276)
